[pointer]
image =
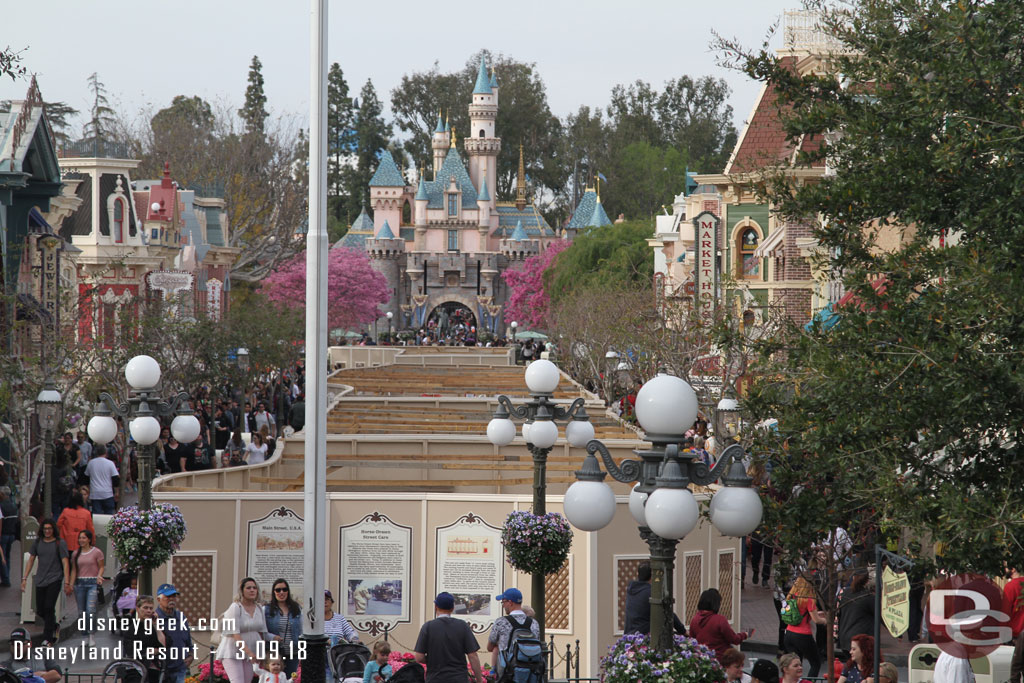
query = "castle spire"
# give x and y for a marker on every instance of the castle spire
(521, 183)
(453, 138)
(483, 83)
(440, 126)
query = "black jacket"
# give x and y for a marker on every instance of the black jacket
(638, 609)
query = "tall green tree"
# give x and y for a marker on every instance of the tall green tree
(613, 255)
(584, 152)
(910, 407)
(254, 111)
(372, 135)
(696, 119)
(524, 117)
(101, 116)
(340, 140)
(643, 178)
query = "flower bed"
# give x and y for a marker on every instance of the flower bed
(536, 543)
(145, 539)
(633, 660)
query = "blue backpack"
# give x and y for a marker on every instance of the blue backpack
(523, 659)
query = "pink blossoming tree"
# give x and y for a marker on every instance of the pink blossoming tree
(354, 288)
(528, 302)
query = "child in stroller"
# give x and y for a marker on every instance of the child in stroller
(348, 661)
(125, 592)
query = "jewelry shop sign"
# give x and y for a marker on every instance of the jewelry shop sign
(705, 273)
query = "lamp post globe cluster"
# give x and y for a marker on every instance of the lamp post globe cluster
(661, 502)
(540, 416)
(143, 409)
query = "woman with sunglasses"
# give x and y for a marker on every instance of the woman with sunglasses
(284, 618)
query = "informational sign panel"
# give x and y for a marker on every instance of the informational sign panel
(895, 602)
(276, 552)
(470, 561)
(706, 269)
(376, 570)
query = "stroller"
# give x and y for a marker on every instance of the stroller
(410, 673)
(348, 661)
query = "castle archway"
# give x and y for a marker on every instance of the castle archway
(451, 317)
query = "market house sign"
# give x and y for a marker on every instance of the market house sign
(705, 225)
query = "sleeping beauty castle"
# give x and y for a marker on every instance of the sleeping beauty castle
(447, 264)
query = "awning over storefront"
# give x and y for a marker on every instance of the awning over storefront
(826, 317)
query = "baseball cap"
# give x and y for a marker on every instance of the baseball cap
(765, 671)
(445, 601)
(511, 594)
(327, 594)
(166, 590)
(20, 634)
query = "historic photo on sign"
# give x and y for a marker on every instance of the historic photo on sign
(376, 566)
(469, 566)
(276, 551)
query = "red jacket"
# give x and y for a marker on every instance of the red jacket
(713, 630)
(72, 522)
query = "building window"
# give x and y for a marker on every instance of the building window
(109, 321)
(453, 240)
(453, 204)
(481, 132)
(118, 227)
(750, 264)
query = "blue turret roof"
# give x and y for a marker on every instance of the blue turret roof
(598, 218)
(584, 211)
(452, 167)
(494, 80)
(387, 173)
(484, 195)
(440, 124)
(483, 83)
(447, 128)
(518, 234)
(421, 193)
(509, 217)
(385, 232)
(355, 238)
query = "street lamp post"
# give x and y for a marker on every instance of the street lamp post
(390, 316)
(143, 407)
(515, 344)
(540, 415)
(661, 502)
(47, 406)
(242, 356)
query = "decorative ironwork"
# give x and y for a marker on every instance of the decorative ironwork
(625, 472)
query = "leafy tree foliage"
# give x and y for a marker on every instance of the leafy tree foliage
(371, 135)
(653, 176)
(909, 410)
(354, 288)
(254, 111)
(10, 63)
(341, 144)
(528, 301)
(524, 117)
(610, 256)
(101, 116)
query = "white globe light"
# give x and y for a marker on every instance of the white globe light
(729, 405)
(155, 206)
(666, 405)
(185, 428)
(142, 372)
(514, 325)
(671, 513)
(526, 430)
(589, 505)
(542, 377)
(102, 429)
(636, 505)
(544, 434)
(501, 431)
(579, 432)
(145, 430)
(736, 510)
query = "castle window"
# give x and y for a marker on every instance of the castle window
(118, 226)
(453, 240)
(749, 263)
(453, 204)
(481, 132)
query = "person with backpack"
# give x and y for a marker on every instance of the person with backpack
(514, 641)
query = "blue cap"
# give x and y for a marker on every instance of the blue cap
(510, 594)
(445, 601)
(166, 590)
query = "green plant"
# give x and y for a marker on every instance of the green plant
(632, 659)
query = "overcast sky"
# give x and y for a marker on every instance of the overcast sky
(146, 52)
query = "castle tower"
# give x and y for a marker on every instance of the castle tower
(439, 143)
(387, 256)
(387, 189)
(481, 144)
(420, 214)
(519, 246)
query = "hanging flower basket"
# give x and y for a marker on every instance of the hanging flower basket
(633, 660)
(145, 539)
(536, 544)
